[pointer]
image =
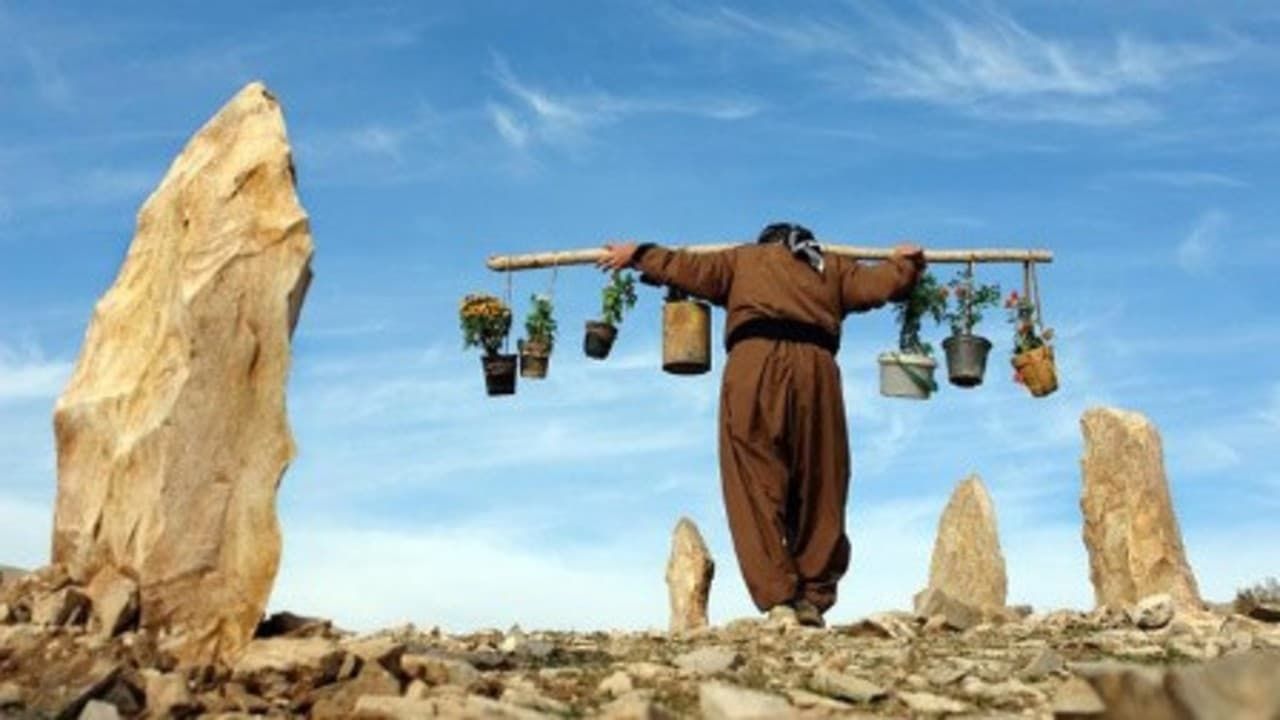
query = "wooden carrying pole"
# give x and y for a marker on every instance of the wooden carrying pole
(560, 258)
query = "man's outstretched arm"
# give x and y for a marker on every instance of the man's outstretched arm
(866, 287)
(706, 275)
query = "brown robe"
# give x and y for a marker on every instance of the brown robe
(784, 447)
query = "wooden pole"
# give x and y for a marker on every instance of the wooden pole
(559, 258)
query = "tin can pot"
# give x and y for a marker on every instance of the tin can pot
(907, 375)
(686, 337)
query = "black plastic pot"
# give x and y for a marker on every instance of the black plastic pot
(599, 339)
(499, 374)
(966, 359)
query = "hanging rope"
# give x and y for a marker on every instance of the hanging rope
(1035, 289)
(506, 341)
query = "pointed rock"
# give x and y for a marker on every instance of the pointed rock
(689, 573)
(967, 564)
(172, 435)
(1130, 530)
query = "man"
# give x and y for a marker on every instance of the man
(783, 445)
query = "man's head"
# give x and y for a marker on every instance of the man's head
(784, 232)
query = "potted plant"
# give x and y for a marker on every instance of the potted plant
(909, 371)
(1033, 364)
(966, 352)
(618, 296)
(539, 337)
(486, 320)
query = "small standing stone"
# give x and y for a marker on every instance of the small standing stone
(616, 685)
(690, 571)
(967, 562)
(1130, 530)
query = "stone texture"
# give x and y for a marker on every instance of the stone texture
(97, 710)
(1130, 530)
(172, 435)
(957, 615)
(721, 701)
(967, 562)
(1152, 612)
(1244, 685)
(115, 602)
(845, 686)
(708, 660)
(690, 570)
(68, 606)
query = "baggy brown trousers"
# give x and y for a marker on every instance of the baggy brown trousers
(783, 441)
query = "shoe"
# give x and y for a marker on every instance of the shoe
(782, 616)
(808, 614)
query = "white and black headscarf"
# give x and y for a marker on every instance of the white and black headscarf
(798, 239)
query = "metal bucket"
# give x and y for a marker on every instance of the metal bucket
(966, 359)
(686, 337)
(906, 375)
(599, 339)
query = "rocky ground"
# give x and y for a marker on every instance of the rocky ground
(1149, 662)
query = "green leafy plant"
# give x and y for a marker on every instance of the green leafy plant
(970, 298)
(486, 320)
(540, 325)
(618, 296)
(1021, 313)
(927, 298)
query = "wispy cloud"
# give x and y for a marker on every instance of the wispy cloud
(566, 118)
(48, 80)
(1195, 253)
(1190, 179)
(985, 63)
(25, 374)
(379, 140)
(511, 129)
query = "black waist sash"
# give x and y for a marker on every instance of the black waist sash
(778, 329)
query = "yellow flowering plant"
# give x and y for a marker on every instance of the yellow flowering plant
(486, 320)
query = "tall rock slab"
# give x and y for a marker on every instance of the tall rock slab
(1130, 530)
(967, 564)
(172, 434)
(690, 570)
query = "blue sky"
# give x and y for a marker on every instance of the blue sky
(1140, 142)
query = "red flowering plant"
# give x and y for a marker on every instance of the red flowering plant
(970, 299)
(1021, 313)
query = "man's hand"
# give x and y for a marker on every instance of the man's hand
(910, 251)
(616, 256)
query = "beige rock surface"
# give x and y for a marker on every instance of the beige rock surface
(690, 570)
(1130, 530)
(967, 562)
(172, 435)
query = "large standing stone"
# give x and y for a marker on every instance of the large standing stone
(689, 573)
(172, 434)
(967, 563)
(1131, 533)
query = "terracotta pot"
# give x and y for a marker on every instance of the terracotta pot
(499, 374)
(535, 357)
(599, 339)
(966, 359)
(1037, 370)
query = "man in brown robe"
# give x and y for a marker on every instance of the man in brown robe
(783, 443)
